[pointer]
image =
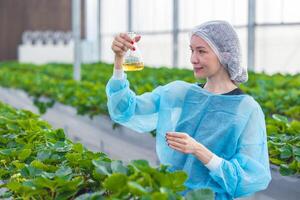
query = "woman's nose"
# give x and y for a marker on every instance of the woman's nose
(194, 59)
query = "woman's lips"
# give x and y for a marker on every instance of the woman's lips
(198, 68)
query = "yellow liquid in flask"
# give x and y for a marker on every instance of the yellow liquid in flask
(136, 66)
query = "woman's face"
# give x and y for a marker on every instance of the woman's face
(204, 60)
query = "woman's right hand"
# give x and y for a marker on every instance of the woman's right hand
(122, 43)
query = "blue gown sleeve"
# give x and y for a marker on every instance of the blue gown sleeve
(135, 112)
(248, 170)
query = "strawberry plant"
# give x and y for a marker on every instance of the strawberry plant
(38, 162)
(277, 94)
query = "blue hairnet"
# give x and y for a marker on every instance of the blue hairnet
(224, 41)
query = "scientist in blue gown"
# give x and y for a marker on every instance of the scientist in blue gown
(212, 131)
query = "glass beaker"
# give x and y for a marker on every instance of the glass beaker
(133, 60)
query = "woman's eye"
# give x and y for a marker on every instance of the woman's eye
(200, 51)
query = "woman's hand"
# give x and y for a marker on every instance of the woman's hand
(186, 144)
(122, 43)
(182, 142)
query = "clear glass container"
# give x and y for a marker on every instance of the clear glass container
(133, 60)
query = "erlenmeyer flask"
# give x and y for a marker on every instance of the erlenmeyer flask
(133, 60)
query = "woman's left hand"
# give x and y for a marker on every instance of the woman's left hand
(182, 142)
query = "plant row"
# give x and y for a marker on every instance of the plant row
(277, 94)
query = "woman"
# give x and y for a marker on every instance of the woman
(214, 132)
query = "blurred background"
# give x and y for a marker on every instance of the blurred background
(40, 31)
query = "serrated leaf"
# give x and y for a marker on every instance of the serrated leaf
(78, 147)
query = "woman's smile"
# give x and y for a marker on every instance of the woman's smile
(198, 69)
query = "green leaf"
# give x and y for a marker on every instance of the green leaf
(201, 194)
(294, 127)
(285, 170)
(8, 152)
(160, 196)
(276, 161)
(102, 167)
(136, 188)
(48, 175)
(91, 196)
(141, 164)
(13, 185)
(39, 165)
(6, 195)
(78, 147)
(43, 155)
(296, 151)
(286, 152)
(30, 171)
(24, 154)
(280, 118)
(117, 167)
(116, 182)
(18, 164)
(60, 135)
(62, 146)
(43, 182)
(178, 178)
(63, 171)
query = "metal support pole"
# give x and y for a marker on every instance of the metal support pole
(251, 34)
(76, 26)
(175, 33)
(129, 14)
(99, 30)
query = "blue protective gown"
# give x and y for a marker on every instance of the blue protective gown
(231, 126)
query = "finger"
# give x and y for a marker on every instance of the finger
(176, 148)
(177, 140)
(176, 134)
(176, 144)
(124, 42)
(125, 37)
(117, 49)
(120, 45)
(137, 38)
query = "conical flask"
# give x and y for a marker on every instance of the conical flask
(133, 60)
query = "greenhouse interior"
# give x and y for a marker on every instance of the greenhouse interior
(150, 100)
